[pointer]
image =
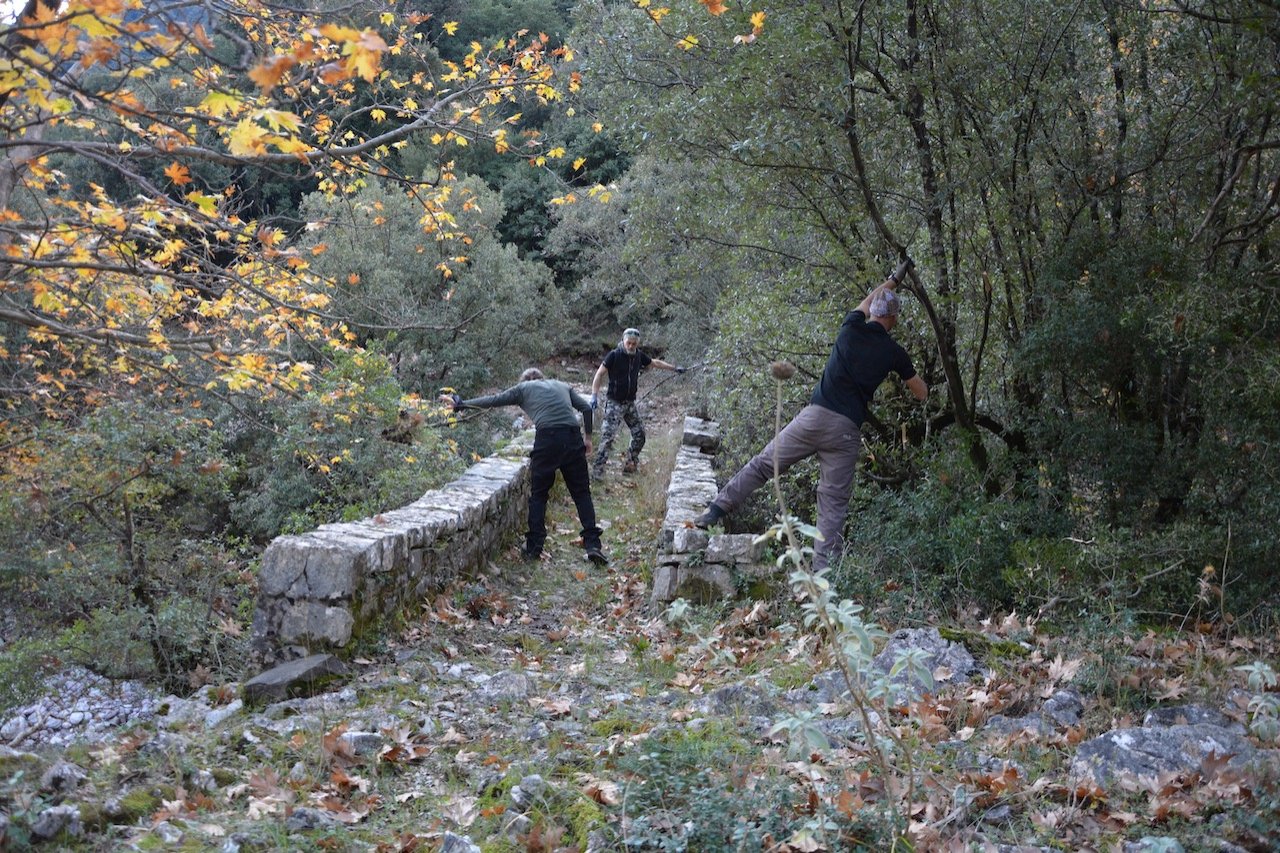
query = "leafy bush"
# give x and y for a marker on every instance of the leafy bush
(328, 456)
(442, 296)
(24, 664)
(942, 540)
(130, 530)
(688, 791)
(1152, 421)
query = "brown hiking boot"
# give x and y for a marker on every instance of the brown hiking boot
(629, 467)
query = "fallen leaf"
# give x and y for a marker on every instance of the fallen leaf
(601, 790)
(1064, 670)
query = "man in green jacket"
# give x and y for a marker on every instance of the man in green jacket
(559, 444)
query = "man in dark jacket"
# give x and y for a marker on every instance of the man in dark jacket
(622, 366)
(559, 444)
(830, 426)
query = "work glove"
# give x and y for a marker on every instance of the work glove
(681, 369)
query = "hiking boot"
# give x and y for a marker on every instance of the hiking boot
(629, 467)
(713, 515)
(597, 473)
(595, 555)
(530, 556)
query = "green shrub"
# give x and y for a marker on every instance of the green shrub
(328, 456)
(24, 664)
(940, 542)
(688, 791)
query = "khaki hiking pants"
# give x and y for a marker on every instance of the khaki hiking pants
(837, 442)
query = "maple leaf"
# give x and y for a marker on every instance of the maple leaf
(366, 55)
(450, 27)
(1172, 688)
(1061, 670)
(178, 173)
(715, 7)
(461, 811)
(269, 74)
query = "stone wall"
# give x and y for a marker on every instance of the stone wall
(319, 590)
(691, 563)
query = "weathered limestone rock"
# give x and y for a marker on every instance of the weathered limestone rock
(948, 662)
(701, 434)
(292, 678)
(734, 549)
(362, 743)
(61, 779)
(1174, 715)
(505, 687)
(13, 760)
(692, 563)
(701, 583)
(312, 620)
(313, 567)
(1059, 711)
(1145, 753)
(56, 820)
(686, 540)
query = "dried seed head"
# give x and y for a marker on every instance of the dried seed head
(782, 370)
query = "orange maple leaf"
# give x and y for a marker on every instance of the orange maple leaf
(269, 74)
(178, 173)
(715, 7)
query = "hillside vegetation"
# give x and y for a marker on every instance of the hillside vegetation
(245, 246)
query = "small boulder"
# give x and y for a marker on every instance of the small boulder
(292, 678)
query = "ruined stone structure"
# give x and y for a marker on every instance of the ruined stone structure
(318, 590)
(694, 564)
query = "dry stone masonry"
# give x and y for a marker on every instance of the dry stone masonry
(691, 563)
(318, 590)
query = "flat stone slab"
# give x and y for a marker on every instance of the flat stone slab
(292, 678)
(1146, 753)
(702, 434)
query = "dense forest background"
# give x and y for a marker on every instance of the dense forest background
(243, 249)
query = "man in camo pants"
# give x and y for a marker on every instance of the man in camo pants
(623, 366)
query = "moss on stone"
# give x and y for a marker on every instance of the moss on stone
(584, 816)
(980, 645)
(139, 803)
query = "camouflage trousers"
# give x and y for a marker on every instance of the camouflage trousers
(615, 415)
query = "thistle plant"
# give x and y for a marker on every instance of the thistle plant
(1264, 705)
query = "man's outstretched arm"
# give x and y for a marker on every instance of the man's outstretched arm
(864, 306)
(509, 397)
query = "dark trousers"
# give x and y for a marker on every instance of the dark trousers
(559, 449)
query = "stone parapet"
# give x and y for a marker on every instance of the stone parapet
(695, 564)
(318, 590)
